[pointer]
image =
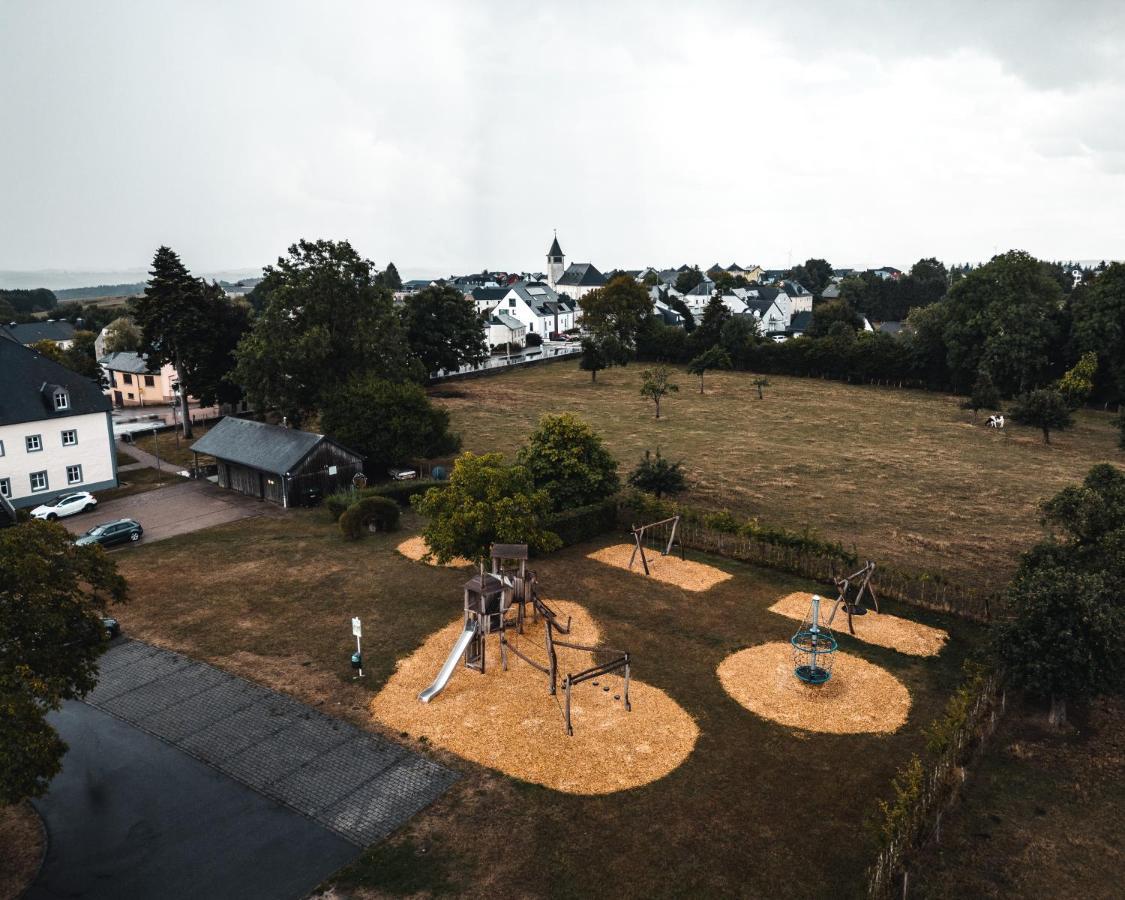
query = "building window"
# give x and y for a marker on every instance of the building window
(126, 378)
(73, 474)
(34, 443)
(512, 301)
(38, 482)
(150, 381)
(62, 401)
(5, 487)
(69, 437)
(1, 448)
(130, 396)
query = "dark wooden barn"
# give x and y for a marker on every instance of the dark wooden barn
(278, 464)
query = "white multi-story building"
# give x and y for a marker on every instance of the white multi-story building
(56, 433)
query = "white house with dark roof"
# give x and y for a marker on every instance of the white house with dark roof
(539, 308)
(502, 328)
(56, 431)
(575, 280)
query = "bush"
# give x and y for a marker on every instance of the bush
(583, 523)
(382, 512)
(723, 521)
(657, 475)
(338, 502)
(534, 340)
(569, 460)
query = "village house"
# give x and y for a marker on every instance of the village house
(504, 330)
(57, 331)
(132, 382)
(540, 308)
(56, 432)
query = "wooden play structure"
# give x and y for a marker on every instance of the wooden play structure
(861, 583)
(497, 602)
(656, 537)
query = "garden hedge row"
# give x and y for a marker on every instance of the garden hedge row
(398, 491)
(583, 523)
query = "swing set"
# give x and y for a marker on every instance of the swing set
(658, 537)
(861, 582)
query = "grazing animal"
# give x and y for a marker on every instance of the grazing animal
(996, 422)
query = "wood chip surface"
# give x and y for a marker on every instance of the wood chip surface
(880, 629)
(860, 697)
(683, 573)
(508, 721)
(417, 549)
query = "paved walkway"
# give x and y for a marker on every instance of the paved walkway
(130, 816)
(146, 459)
(356, 783)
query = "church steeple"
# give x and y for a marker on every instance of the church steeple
(556, 262)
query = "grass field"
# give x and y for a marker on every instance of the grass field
(756, 809)
(172, 447)
(1041, 815)
(904, 476)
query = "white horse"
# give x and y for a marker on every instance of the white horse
(996, 422)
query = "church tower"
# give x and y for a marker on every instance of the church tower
(556, 263)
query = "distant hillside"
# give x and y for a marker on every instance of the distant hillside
(70, 295)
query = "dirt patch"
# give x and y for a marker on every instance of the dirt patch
(509, 722)
(21, 848)
(417, 549)
(683, 573)
(880, 629)
(860, 697)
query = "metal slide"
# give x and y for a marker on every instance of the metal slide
(450, 664)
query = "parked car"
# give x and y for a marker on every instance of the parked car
(109, 533)
(402, 474)
(65, 505)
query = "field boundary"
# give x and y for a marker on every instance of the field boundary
(924, 797)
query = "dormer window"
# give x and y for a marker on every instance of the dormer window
(62, 400)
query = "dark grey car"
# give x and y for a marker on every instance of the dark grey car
(109, 533)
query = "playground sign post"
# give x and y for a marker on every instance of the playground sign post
(357, 657)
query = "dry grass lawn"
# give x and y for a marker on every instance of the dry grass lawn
(905, 476)
(21, 848)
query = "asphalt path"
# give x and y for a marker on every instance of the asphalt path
(131, 816)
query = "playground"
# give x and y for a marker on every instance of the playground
(703, 774)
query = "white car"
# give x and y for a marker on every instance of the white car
(65, 505)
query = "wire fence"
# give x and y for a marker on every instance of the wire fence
(920, 819)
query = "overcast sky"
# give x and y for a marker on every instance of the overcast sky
(449, 137)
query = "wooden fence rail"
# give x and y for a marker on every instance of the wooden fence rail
(941, 781)
(916, 589)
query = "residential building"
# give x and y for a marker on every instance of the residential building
(132, 382)
(540, 308)
(56, 433)
(887, 273)
(502, 329)
(56, 330)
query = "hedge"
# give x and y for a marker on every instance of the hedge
(402, 491)
(382, 512)
(583, 523)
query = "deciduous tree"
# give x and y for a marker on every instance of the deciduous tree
(390, 423)
(620, 308)
(568, 459)
(715, 358)
(1044, 409)
(485, 502)
(325, 320)
(444, 329)
(53, 596)
(122, 336)
(656, 384)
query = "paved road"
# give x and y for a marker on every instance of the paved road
(179, 508)
(131, 816)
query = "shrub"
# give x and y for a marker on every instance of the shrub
(583, 523)
(657, 475)
(338, 502)
(382, 512)
(723, 521)
(644, 507)
(568, 460)
(534, 340)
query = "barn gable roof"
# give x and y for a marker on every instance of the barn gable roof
(269, 448)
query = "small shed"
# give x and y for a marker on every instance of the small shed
(282, 465)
